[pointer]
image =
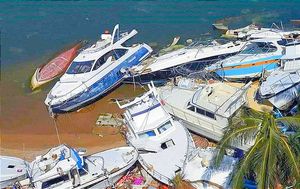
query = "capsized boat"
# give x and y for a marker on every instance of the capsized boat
(258, 56)
(12, 170)
(182, 62)
(55, 67)
(205, 109)
(282, 87)
(64, 167)
(96, 71)
(162, 142)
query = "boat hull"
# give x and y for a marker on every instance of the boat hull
(54, 68)
(99, 88)
(285, 99)
(243, 72)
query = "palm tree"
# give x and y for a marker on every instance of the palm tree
(271, 159)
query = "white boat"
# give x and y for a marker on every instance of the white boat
(162, 142)
(12, 169)
(95, 71)
(205, 108)
(258, 56)
(183, 61)
(203, 173)
(64, 167)
(282, 87)
(166, 148)
(253, 31)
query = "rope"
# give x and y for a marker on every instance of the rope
(56, 129)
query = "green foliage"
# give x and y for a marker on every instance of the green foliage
(273, 158)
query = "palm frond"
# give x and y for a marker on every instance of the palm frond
(231, 137)
(291, 157)
(292, 122)
(244, 165)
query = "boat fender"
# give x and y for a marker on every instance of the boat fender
(59, 171)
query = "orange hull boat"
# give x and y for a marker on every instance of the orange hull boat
(55, 67)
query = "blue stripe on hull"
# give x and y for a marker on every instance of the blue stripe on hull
(102, 86)
(243, 72)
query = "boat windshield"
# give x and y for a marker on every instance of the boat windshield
(80, 67)
(259, 48)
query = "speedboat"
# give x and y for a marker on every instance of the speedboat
(182, 62)
(12, 170)
(258, 56)
(282, 87)
(96, 71)
(64, 167)
(162, 142)
(55, 67)
(205, 109)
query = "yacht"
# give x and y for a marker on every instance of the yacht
(95, 71)
(166, 149)
(205, 108)
(12, 170)
(162, 142)
(64, 167)
(282, 87)
(258, 56)
(182, 62)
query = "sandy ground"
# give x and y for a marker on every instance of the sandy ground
(26, 130)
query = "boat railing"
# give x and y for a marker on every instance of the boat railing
(155, 174)
(279, 84)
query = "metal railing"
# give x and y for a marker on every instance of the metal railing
(279, 83)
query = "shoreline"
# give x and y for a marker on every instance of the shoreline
(26, 129)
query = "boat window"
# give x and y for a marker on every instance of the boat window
(164, 127)
(167, 144)
(200, 111)
(190, 107)
(102, 60)
(205, 113)
(259, 47)
(56, 181)
(118, 53)
(80, 67)
(210, 115)
(147, 134)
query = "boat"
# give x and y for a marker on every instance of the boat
(206, 108)
(64, 167)
(12, 170)
(96, 71)
(282, 87)
(156, 136)
(220, 27)
(254, 31)
(55, 67)
(259, 55)
(182, 62)
(295, 22)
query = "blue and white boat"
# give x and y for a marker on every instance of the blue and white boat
(282, 87)
(258, 56)
(95, 71)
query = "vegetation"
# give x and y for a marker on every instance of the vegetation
(274, 157)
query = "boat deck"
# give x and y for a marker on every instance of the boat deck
(251, 102)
